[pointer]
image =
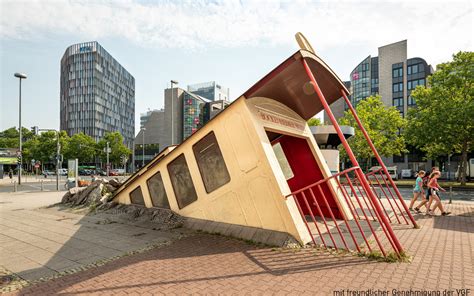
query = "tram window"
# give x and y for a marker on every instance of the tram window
(211, 164)
(157, 191)
(136, 196)
(182, 182)
(283, 161)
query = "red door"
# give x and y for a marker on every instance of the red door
(306, 172)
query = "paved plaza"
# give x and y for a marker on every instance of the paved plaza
(39, 242)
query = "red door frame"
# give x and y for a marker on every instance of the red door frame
(306, 170)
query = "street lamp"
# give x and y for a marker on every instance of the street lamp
(172, 123)
(20, 76)
(143, 146)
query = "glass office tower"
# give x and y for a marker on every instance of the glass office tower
(97, 94)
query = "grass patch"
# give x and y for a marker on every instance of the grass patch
(391, 257)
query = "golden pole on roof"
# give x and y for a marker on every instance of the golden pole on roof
(303, 42)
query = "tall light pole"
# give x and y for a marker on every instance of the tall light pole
(108, 165)
(143, 146)
(172, 122)
(20, 76)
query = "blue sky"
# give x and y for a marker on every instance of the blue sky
(232, 42)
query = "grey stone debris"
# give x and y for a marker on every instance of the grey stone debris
(99, 195)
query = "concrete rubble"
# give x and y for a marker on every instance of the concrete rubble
(98, 197)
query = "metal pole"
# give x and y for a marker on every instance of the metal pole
(351, 155)
(107, 159)
(450, 194)
(379, 159)
(143, 147)
(19, 124)
(172, 123)
(57, 161)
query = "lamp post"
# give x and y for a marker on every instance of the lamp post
(172, 111)
(20, 76)
(143, 146)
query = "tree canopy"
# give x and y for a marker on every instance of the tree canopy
(118, 149)
(43, 147)
(443, 120)
(383, 126)
(314, 121)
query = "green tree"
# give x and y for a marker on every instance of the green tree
(314, 122)
(118, 149)
(10, 138)
(382, 124)
(82, 147)
(44, 146)
(443, 120)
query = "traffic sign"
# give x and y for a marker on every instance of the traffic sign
(37, 166)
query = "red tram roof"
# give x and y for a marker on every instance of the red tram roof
(289, 84)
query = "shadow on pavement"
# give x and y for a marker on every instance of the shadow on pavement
(176, 264)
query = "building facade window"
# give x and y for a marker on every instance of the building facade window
(211, 164)
(411, 101)
(412, 84)
(192, 107)
(398, 72)
(398, 87)
(413, 69)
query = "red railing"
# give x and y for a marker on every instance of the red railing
(358, 230)
(378, 181)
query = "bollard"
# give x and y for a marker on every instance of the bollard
(42, 188)
(15, 189)
(450, 194)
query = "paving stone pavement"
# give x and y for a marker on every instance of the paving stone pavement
(443, 254)
(38, 242)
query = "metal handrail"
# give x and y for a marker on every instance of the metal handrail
(323, 181)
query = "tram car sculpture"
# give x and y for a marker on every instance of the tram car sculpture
(245, 172)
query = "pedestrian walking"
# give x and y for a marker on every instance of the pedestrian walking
(10, 174)
(425, 179)
(434, 188)
(418, 190)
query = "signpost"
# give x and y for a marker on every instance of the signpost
(72, 170)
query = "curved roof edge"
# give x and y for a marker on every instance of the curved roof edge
(289, 84)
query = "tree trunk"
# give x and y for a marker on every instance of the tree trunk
(463, 166)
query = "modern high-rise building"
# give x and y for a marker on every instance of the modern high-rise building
(144, 117)
(183, 114)
(210, 90)
(393, 76)
(97, 94)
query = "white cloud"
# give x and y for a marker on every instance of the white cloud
(445, 27)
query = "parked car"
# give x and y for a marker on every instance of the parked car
(391, 170)
(113, 173)
(47, 173)
(407, 173)
(100, 172)
(63, 172)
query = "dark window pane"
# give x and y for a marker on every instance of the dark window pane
(183, 185)
(409, 70)
(211, 163)
(157, 191)
(421, 67)
(136, 196)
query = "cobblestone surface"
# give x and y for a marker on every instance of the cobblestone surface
(443, 254)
